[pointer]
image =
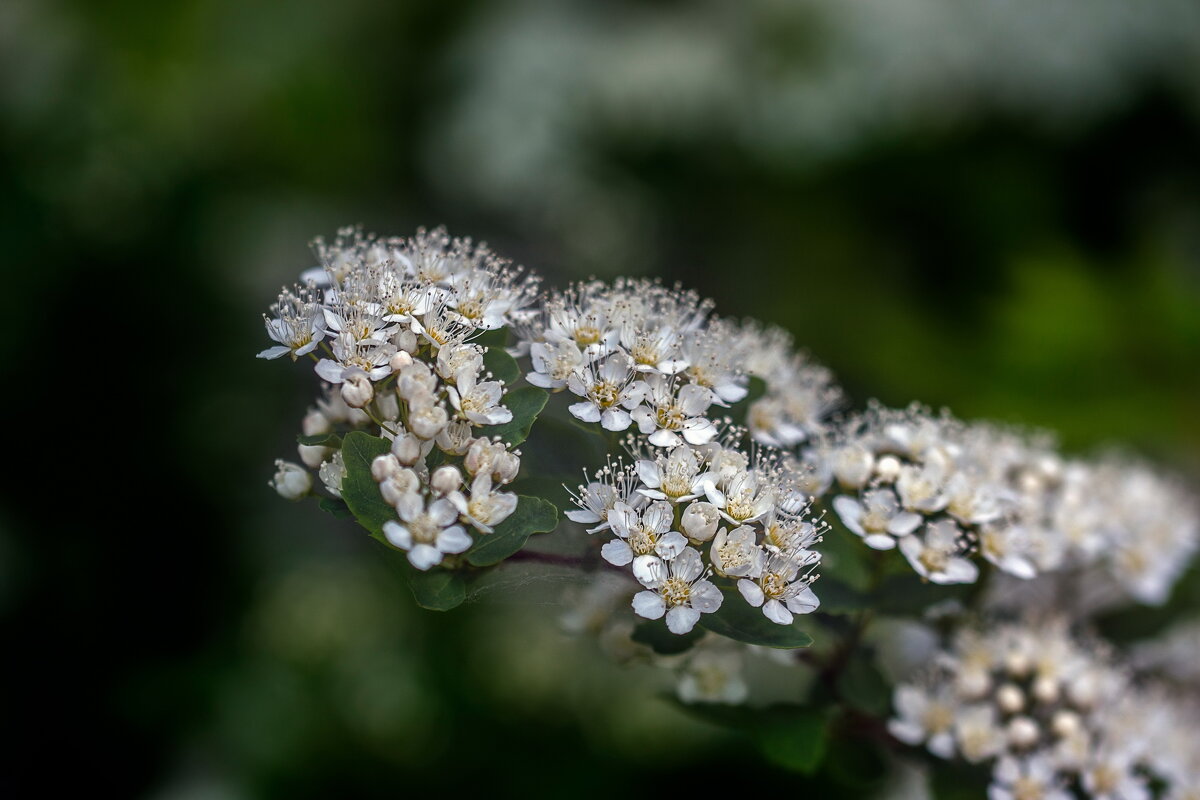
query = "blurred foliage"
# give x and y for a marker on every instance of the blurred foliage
(162, 167)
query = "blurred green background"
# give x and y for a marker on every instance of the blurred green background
(989, 206)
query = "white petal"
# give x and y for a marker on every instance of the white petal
(959, 570)
(662, 438)
(699, 431)
(649, 605)
(275, 352)
(424, 556)
(671, 545)
(682, 619)
(648, 472)
(454, 540)
(583, 516)
(616, 552)
(397, 534)
(644, 418)
(687, 565)
(777, 613)
(752, 592)
(904, 523)
(693, 400)
(649, 570)
(442, 512)
(850, 511)
(706, 597)
(804, 602)
(880, 541)
(615, 419)
(658, 517)
(585, 411)
(329, 370)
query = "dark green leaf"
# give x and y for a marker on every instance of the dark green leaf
(438, 589)
(525, 404)
(532, 515)
(838, 598)
(359, 489)
(907, 593)
(795, 741)
(654, 634)
(737, 619)
(320, 439)
(336, 507)
(502, 366)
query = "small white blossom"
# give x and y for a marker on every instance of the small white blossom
(426, 531)
(678, 589)
(292, 481)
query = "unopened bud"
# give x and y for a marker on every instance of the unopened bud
(1066, 724)
(1023, 732)
(401, 360)
(1010, 698)
(384, 466)
(974, 683)
(357, 390)
(699, 521)
(388, 405)
(428, 420)
(407, 449)
(398, 486)
(888, 468)
(315, 423)
(852, 466)
(1018, 664)
(445, 480)
(406, 340)
(292, 481)
(1084, 690)
(313, 455)
(1045, 689)
(505, 467)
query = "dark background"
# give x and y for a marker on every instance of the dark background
(994, 207)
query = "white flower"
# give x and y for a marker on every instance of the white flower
(292, 481)
(747, 498)
(877, 517)
(713, 676)
(455, 359)
(676, 478)
(669, 415)
(332, 473)
(977, 733)
(1032, 778)
(779, 588)
(678, 589)
(492, 458)
(921, 488)
(426, 417)
(485, 509)
(641, 535)
(615, 483)
(925, 716)
(553, 364)
(699, 520)
(654, 351)
(298, 325)
(735, 553)
(427, 533)
(1009, 548)
(478, 402)
(937, 554)
(609, 391)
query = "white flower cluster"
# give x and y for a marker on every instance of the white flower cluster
(942, 490)
(1049, 712)
(395, 319)
(684, 515)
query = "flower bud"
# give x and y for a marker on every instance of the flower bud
(401, 360)
(445, 480)
(973, 683)
(1045, 689)
(357, 390)
(699, 521)
(1066, 724)
(313, 455)
(398, 486)
(388, 405)
(1084, 691)
(1023, 732)
(428, 420)
(1018, 664)
(315, 423)
(292, 481)
(852, 466)
(505, 467)
(1010, 698)
(407, 449)
(888, 468)
(384, 466)
(406, 340)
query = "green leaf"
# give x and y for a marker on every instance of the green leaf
(737, 619)
(795, 741)
(862, 686)
(502, 366)
(438, 589)
(336, 507)
(525, 404)
(359, 489)
(654, 634)
(532, 515)
(839, 598)
(907, 593)
(320, 440)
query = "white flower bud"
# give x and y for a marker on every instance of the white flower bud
(315, 423)
(406, 340)
(384, 466)
(852, 466)
(1010, 698)
(313, 455)
(428, 420)
(505, 467)
(1045, 689)
(973, 683)
(332, 472)
(888, 468)
(1066, 724)
(388, 405)
(401, 360)
(357, 390)
(699, 521)
(407, 449)
(445, 480)
(292, 481)
(1023, 732)
(455, 439)
(416, 380)
(1084, 691)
